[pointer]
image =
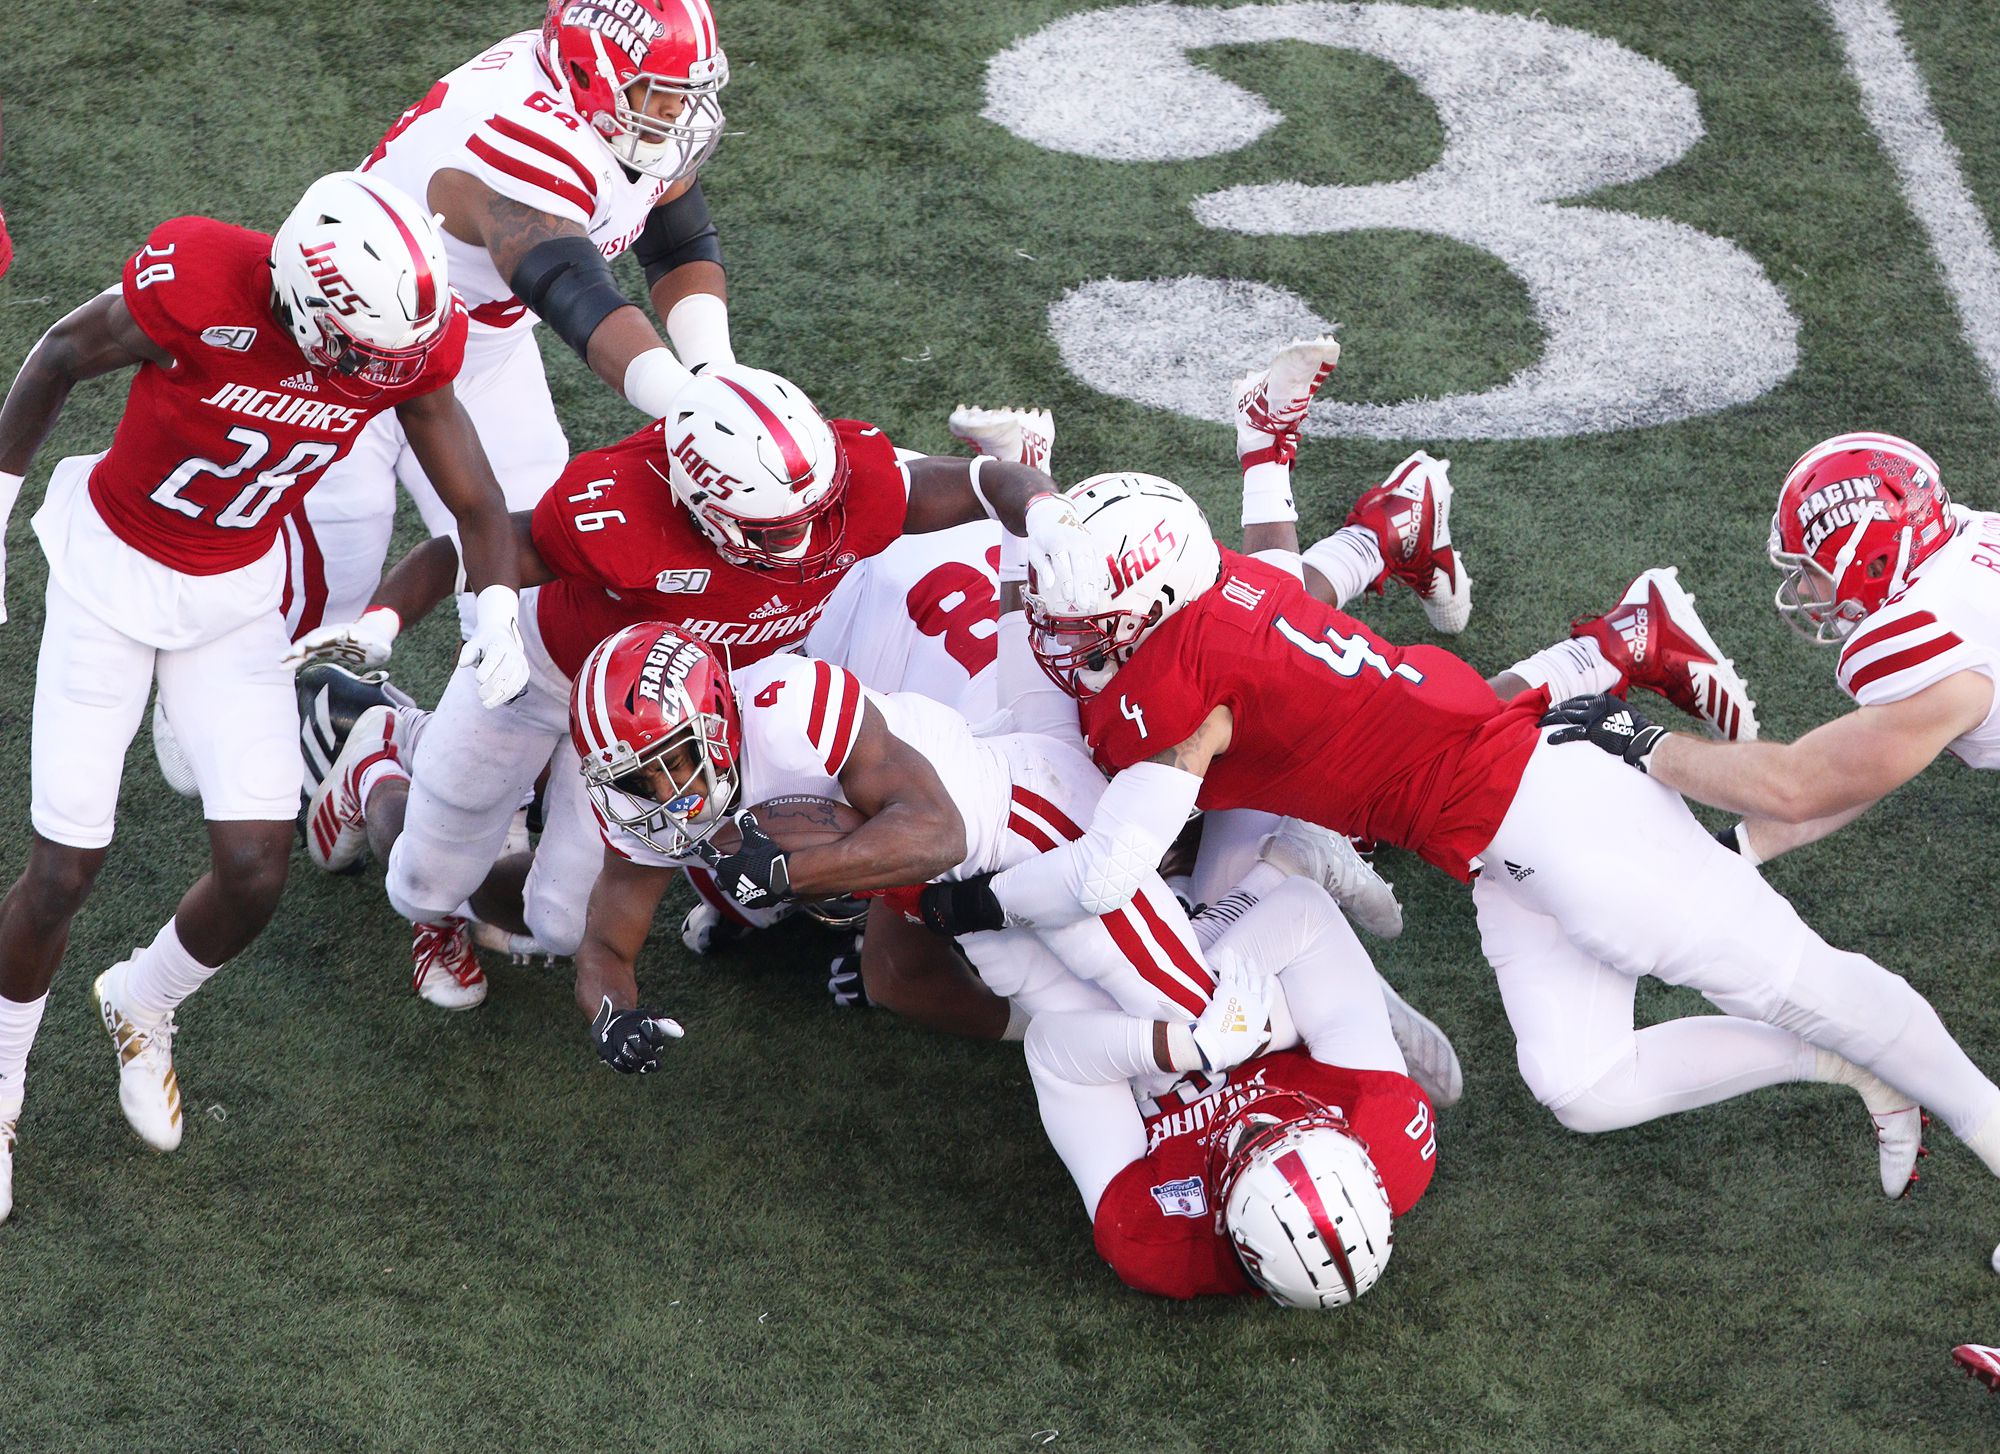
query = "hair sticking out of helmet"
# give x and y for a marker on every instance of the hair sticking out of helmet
(358, 270)
(645, 75)
(1857, 515)
(654, 720)
(1159, 554)
(763, 475)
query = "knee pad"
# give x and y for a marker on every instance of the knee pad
(412, 895)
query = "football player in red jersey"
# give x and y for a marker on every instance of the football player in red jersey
(546, 157)
(735, 517)
(258, 360)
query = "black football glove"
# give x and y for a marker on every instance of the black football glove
(629, 1041)
(843, 979)
(968, 906)
(1608, 722)
(755, 876)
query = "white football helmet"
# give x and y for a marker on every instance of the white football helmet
(1159, 554)
(764, 477)
(360, 275)
(1302, 1204)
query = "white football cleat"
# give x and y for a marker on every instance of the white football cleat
(445, 970)
(1898, 1120)
(1409, 515)
(1023, 436)
(174, 766)
(1655, 639)
(519, 948)
(148, 1090)
(1427, 1050)
(1330, 860)
(8, 1121)
(1271, 403)
(336, 832)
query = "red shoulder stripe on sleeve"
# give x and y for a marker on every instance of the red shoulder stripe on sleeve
(1889, 665)
(1870, 637)
(822, 689)
(1125, 934)
(848, 726)
(532, 175)
(514, 131)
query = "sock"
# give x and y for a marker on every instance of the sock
(1350, 559)
(382, 770)
(18, 1022)
(1267, 492)
(160, 976)
(1573, 668)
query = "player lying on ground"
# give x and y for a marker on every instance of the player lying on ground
(735, 517)
(1283, 1173)
(1879, 561)
(258, 361)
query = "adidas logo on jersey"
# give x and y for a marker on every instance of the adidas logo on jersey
(300, 383)
(1519, 872)
(774, 607)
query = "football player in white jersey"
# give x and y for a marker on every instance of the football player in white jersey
(1878, 561)
(545, 158)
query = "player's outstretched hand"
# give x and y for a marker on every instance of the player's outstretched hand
(756, 875)
(629, 1041)
(359, 645)
(1068, 564)
(1608, 722)
(495, 651)
(1237, 1022)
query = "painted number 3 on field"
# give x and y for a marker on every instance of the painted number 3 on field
(1645, 320)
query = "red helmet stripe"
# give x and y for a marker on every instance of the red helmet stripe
(427, 293)
(1293, 1166)
(795, 456)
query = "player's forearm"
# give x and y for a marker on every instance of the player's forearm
(602, 973)
(1756, 779)
(33, 404)
(623, 336)
(1769, 837)
(486, 544)
(905, 843)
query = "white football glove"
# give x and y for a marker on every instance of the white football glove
(1237, 1023)
(1025, 436)
(1069, 566)
(495, 651)
(10, 491)
(359, 645)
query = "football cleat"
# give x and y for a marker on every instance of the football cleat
(1898, 1121)
(445, 970)
(1409, 514)
(1654, 639)
(519, 948)
(1427, 1050)
(336, 832)
(1023, 436)
(1271, 403)
(148, 1090)
(1981, 1362)
(174, 766)
(1329, 859)
(331, 701)
(8, 1121)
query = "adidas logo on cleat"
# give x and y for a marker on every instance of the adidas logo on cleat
(774, 607)
(301, 383)
(1519, 872)
(1632, 631)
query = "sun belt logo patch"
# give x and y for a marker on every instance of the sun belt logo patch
(1182, 1198)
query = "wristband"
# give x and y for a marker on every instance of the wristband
(698, 327)
(497, 604)
(1736, 838)
(385, 617)
(978, 464)
(654, 380)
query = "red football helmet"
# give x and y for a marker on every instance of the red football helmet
(616, 56)
(645, 696)
(1858, 513)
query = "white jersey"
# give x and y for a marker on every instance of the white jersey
(502, 118)
(1946, 621)
(922, 616)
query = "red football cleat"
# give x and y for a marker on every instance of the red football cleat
(1981, 1362)
(1410, 516)
(1654, 639)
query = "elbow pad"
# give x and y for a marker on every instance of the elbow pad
(676, 233)
(1135, 823)
(568, 284)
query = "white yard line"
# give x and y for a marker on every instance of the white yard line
(1897, 105)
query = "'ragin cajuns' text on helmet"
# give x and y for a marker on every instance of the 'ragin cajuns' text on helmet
(764, 477)
(1159, 554)
(1301, 1202)
(620, 59)
(652, 697)
(1857, 515)
(360, 277)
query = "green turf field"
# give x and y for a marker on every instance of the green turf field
(393, 1229)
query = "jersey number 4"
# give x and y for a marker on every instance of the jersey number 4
(1349, 656)
(255, 499)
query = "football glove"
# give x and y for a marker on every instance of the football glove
(1608, 722)
(495, 651)
(359, 645)
(843, 979)
(968, 906)
(756, 875)
(1237, 1022)
(629, 1041)
(1067, 563)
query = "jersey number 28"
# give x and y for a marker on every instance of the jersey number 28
(255, 499)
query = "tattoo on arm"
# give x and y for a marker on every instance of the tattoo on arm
(510, 230)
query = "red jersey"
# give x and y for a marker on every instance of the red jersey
(1402, 744)
(213, 453)
(1156, 1223)
(623, 551)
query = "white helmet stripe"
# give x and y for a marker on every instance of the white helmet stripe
(703, 23)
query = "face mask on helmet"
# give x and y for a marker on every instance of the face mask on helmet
(675, 793)
(667, 128)
(1081, 654)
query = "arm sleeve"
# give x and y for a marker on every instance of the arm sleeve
(677, 232)
(1096, 1129)
(1135, 823)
